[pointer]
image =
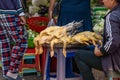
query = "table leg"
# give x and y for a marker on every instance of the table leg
(43, 60)
(60, 65)
(46, 64)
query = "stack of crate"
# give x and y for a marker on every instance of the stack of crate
(30, 63)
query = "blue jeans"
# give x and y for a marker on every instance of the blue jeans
(86, 60)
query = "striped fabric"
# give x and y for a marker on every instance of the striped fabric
(11, 7)
(11, 31)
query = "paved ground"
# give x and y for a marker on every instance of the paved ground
(26, 76)
(98, 75)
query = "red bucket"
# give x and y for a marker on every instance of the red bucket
(37, 23)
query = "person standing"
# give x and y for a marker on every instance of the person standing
(73, 10)
(107, 56)
(12, 29)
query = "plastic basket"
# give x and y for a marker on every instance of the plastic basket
(30, 43)
(37, 23)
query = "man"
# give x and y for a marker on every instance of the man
(107, 56)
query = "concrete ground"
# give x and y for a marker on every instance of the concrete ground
(31, 76)
(98, 75)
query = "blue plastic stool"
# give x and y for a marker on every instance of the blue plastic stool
(68, 73)
(68, 67)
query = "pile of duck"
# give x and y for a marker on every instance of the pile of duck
(64, 35)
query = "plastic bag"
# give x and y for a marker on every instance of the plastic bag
(51, 23)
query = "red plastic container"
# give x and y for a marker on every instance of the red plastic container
(37, 23)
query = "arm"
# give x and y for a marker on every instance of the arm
(19, 7)
(113, 34)
(51, 7)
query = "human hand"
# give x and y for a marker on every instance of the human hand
(50, 15)
(97, 51)
(23, 20)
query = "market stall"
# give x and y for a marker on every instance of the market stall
(37, 22)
